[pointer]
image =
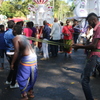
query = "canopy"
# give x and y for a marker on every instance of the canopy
(17, 19)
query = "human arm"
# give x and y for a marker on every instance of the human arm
(71, 29)
(91, 46)
(52, 30)
(16, 51)
(65, 34)
(35, 32)
(65, 31)
(24, 31)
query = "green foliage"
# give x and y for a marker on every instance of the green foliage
(19, 8)
(61, 9)
(16, 8)
(7, 9)
(72, 7)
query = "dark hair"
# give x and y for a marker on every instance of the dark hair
(20, 23)
(61, 23)
(29, 24)
(91, 14)
(75, 20)
(10, 23)
(67, 20)
(18, 29)
(45, 22)
(1, 28)
(32, 24)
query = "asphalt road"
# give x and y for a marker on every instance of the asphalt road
(58, 79)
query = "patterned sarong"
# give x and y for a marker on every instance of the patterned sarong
(27, 73)
(68, 46)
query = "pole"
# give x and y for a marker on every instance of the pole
(61, 11)
(98, 2)
(53, 5)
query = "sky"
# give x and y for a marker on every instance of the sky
(68, 1)
(65, 0)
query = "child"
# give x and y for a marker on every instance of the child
(2, 46)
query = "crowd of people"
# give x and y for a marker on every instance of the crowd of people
(22, 57)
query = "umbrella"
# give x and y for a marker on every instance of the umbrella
(17, 19)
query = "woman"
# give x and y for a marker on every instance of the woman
(68, 38)
(27, 31)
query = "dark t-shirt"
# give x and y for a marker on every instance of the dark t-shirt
(46, 32)
(76, 29)
(2, 41)
(34, 31)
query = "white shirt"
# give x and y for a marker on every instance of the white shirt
(56, 31)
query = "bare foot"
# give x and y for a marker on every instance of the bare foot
(30, 94)
(24, 96)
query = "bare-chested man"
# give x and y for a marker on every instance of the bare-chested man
(27, 68)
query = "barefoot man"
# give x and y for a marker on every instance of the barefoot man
(27, 68)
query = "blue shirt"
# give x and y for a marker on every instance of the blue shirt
(9, 39)
(2, 41)
(46, 32)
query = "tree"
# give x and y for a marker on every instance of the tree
(7, 9)
(18, 8)
(21, 8)
(15, 8)
(72, 7)
(61, 9)
(1, 1)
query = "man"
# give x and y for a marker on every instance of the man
(34, 32)
(46, 36)
(33, 29)
(94, 57)
(27, 68)
(2, 46)
(8, 36)
(21, 23)
(55, 37)
(77, 31)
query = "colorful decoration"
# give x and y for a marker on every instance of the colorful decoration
(40, 1)
(84, 7)
(80, 10)
(41, 12)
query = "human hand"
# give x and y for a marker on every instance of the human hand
(51, 37)
(34, 43)
(67, 34)
(75, 46)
